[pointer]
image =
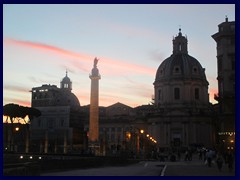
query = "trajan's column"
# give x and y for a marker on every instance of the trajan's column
(94, 109)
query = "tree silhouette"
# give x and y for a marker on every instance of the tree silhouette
(14, 111)
(11, 111)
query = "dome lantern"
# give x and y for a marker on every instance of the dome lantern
(66, 83)
(180, 44)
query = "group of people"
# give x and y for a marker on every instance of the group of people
(210, 156)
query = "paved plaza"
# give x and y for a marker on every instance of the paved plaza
(152, 168)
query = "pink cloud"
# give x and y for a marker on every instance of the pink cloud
(43, 46)
(108, 65)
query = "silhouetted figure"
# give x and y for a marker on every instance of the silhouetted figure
(209, 158)
(190, 155)
(179, 155)
(200, 155)
(186, 155)
(204, 155)
(219, 161)
(230, 161)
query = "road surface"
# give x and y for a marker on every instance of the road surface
(144, 168)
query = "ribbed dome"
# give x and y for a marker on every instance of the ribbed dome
(66, 98)
(180, 66)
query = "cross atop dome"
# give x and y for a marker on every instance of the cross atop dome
(180, 33)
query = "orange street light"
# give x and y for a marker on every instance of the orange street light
(17, 129)
(141, 131)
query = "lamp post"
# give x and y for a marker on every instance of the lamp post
(142, 143)
(16, 138)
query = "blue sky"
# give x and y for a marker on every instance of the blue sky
(41, 41)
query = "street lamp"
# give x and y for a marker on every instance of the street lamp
(141, 131)
(17, 129)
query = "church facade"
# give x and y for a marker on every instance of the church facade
(183, 111)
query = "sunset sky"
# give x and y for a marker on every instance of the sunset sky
(41, 41)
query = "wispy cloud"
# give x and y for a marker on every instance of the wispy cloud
(156, 55)
(108, 65)
(43, 46)
(15, 88)
(36, 80)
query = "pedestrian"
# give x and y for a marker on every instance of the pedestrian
(179, 155)
(209, 158)
(190, 155)
(200, 154)
(219, 161)
(186, 155)
(230, 161)
(204, 155)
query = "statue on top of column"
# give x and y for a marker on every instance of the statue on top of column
(95, 62)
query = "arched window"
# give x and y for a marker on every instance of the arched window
(159, 94)
(180, 47)
(196, 93)
(176, 93)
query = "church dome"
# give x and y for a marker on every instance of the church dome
(66, 98)
(180, 80)
(180, 66)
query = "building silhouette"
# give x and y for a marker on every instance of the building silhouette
(60, 127)
(181, 98)
(225, 39)
(180, 117)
